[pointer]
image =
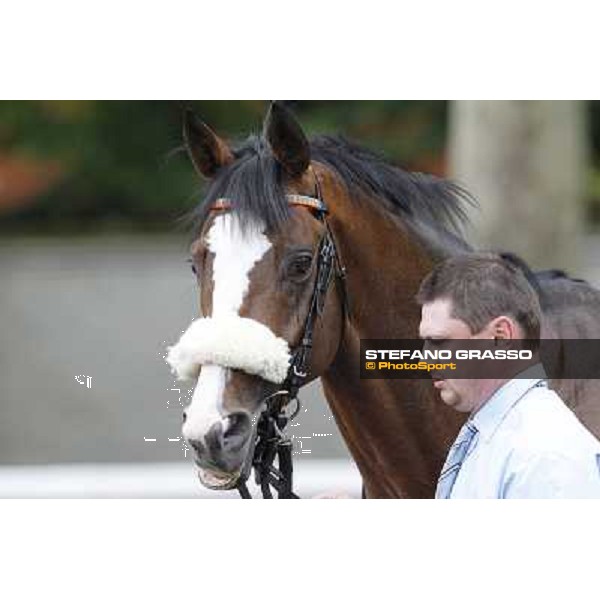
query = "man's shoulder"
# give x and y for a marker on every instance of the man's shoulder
(553, 455)
(542, 424)
(551, 473)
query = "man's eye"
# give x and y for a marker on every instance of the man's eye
(192, 266)
(435, 342)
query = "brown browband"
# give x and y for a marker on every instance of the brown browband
(293, 199)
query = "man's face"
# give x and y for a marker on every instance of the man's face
(438, 325)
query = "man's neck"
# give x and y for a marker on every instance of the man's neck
(486, 392)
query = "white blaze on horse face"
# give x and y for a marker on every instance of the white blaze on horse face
(235, 254)
(204, 409)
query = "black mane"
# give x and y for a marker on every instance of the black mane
(254, 185)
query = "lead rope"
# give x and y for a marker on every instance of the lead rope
(269, 443)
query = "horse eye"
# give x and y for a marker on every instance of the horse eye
(299, 266)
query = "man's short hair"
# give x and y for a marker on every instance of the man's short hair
(481, 287)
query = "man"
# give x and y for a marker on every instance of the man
(520, 440)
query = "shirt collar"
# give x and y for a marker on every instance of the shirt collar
(489, 416)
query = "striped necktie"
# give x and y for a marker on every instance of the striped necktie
(454, 460)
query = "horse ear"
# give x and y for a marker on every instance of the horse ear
(206, 149)
(287, 140)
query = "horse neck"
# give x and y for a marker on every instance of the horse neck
(398, 431)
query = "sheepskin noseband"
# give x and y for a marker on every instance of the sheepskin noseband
(232, 341)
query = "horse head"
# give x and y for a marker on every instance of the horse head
(255, 257)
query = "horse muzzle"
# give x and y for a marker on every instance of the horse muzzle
(223, 454)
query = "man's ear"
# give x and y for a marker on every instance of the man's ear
(287, 140)
(207, 151)
(504, 328)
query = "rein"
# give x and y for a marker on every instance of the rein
(268, 441)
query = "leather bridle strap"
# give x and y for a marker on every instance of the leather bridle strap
(269, 441)
(315, 204)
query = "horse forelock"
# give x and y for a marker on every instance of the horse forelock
(252, 184)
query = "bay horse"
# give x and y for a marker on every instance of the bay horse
(258, 234)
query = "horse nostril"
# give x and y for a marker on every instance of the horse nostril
(184, 417)
(197, 446)
(236, 428)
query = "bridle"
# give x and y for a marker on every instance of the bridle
(268, 440)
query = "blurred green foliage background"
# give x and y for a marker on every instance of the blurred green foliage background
(120, 164)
